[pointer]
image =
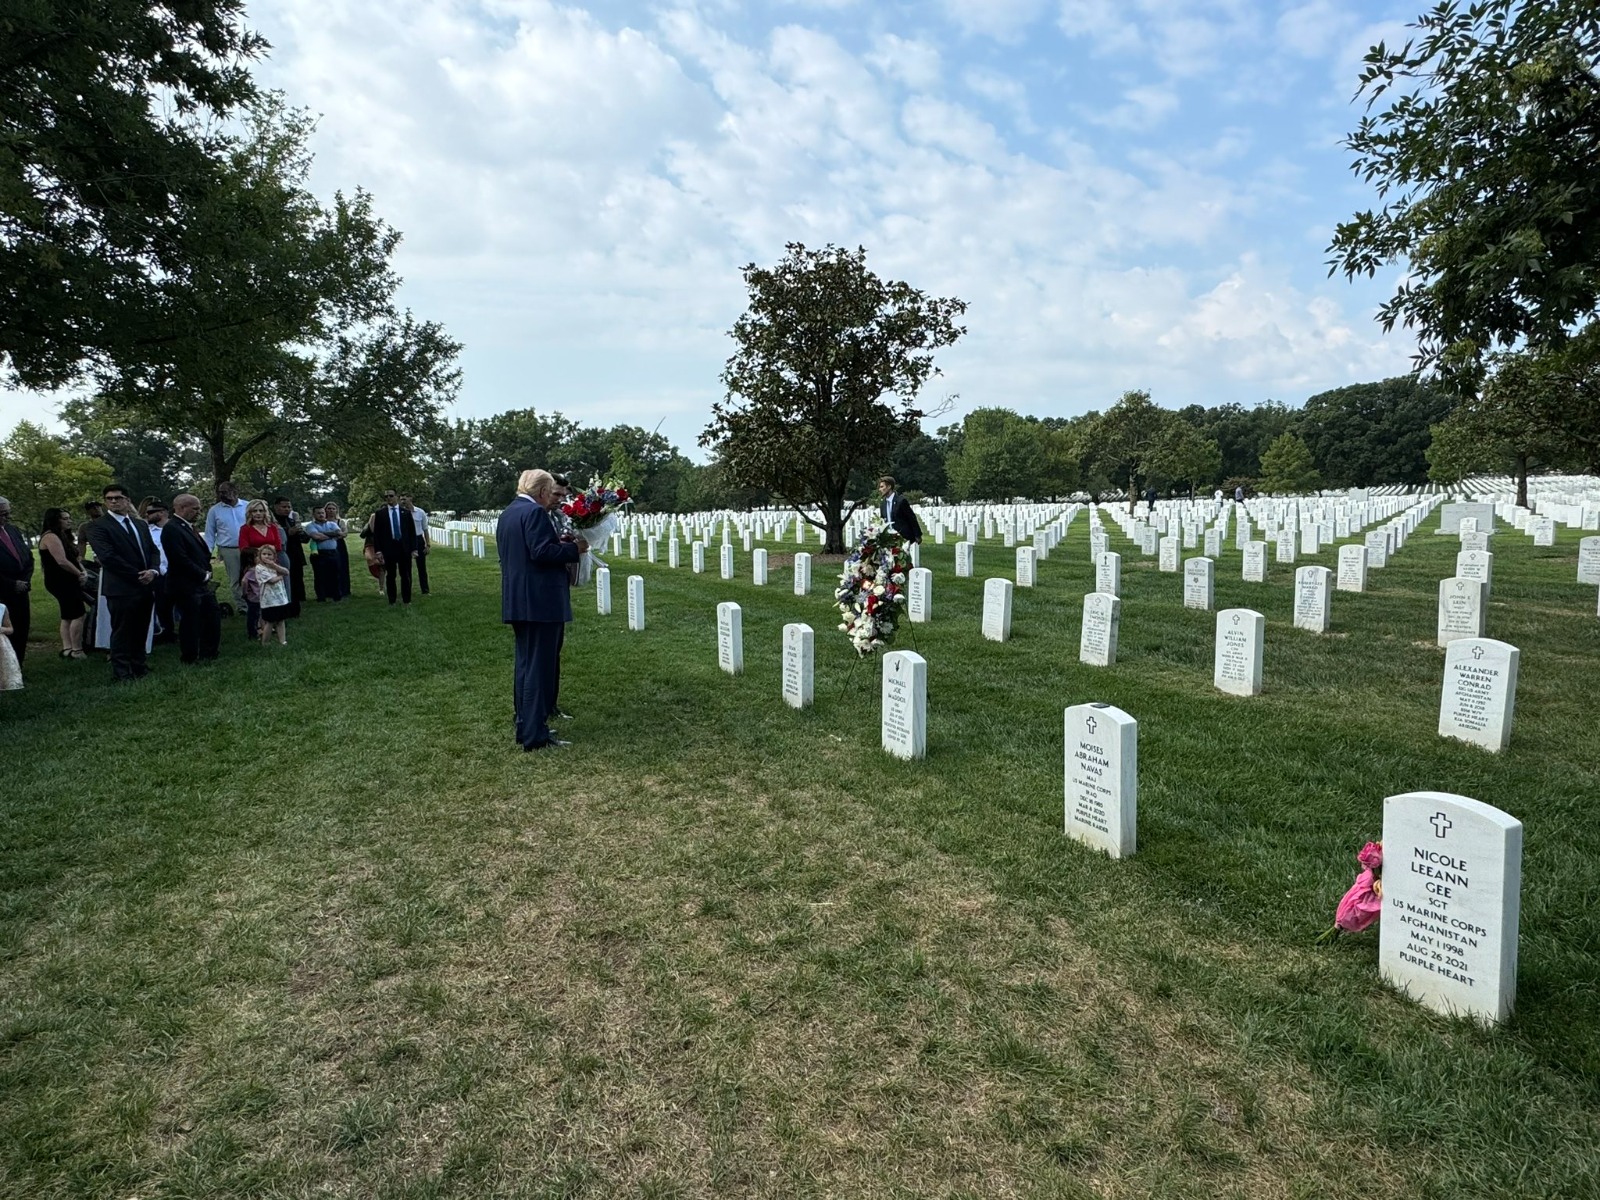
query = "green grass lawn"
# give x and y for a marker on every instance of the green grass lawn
(304, 923)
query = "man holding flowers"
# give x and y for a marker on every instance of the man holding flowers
(535, 601)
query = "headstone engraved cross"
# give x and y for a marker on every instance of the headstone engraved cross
(1236, 665)
(1452, 903)
(730, 638)
(1480, 692)
(1102, 771)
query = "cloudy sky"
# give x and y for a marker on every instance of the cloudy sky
(1128, 193)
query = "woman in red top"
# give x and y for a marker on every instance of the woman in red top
(259, 529)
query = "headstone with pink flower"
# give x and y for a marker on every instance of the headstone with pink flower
(1452, 899)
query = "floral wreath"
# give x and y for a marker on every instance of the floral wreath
(872, 590)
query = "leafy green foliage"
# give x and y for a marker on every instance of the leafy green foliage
(828, 364)
(1485, 161)
(1370, 434)
(104, 138)
(1516, 422)
(1287, 467)
(38, 471)
(281, 317)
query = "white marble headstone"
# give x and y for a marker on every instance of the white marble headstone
(964, 560)
(802, 574)
(1377, 541)
(799, 665)
(997, 610)
(1026, 566)
(1452, 903)
(1097, 640)
(602, 591)
(1102, 778)
(905, 704)
(635, 602)
(727, 561)
(1236, 663)
(697, 557)
(1197, 583)
(1589, 560)
(919, 595)
(674, 553)
(1479, 565)
(1312, 599)
(730, 637)
(758, 567)
(1108, 573)
(1462, 609)
(1255, 562)
(1352, 568)
(1169, 555)
(1480, 692)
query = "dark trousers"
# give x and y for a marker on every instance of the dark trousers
(130, 625)
(252, 619)
(199, 624)
(21, 620)
(325, 574)
(397, 564)
(538, 678)
(422, 573)
(344, 569)
(555, 695)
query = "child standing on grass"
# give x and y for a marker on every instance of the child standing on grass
(275, 608)
(10, 668)
(251, 587)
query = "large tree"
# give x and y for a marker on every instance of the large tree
(1369, 434)
(828, 364)
(278, 317)
(1287, 467)
(107, 130)
(1121, 443)
(1512, 424)
(38, 471)
(1487, 160)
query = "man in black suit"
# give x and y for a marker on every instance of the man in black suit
(16, 579)
(189, 582)
(535, 601)
(129, 568)
(897, 511)
(394, 537)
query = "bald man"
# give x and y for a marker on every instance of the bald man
(535, 601)
(189, 584)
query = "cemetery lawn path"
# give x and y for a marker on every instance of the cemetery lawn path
(302, 923)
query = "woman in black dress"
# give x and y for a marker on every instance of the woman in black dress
(63, 577)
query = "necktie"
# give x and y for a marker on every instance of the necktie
(11, 544)
(394, 521)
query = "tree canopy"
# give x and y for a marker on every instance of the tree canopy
(1487, 160)
(828, 362)
(39, 471)
(1287, 467)
(107, 133)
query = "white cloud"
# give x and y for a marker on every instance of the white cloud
(913, 62)
(578, 196)
(1003, 20)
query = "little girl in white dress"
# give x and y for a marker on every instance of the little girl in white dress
(10, 668)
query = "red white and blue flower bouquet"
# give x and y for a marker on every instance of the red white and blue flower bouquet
(872, 590)
(594, 511)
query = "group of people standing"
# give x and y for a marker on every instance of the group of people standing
(153, 568)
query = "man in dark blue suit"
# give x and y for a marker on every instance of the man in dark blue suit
(535, 601)
(896, 510)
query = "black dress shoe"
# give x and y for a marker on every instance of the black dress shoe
(561, 714)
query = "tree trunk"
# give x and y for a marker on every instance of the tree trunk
(833, 525)
(1522, 480)
(221, 468)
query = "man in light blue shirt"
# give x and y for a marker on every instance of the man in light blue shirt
(222, 535)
